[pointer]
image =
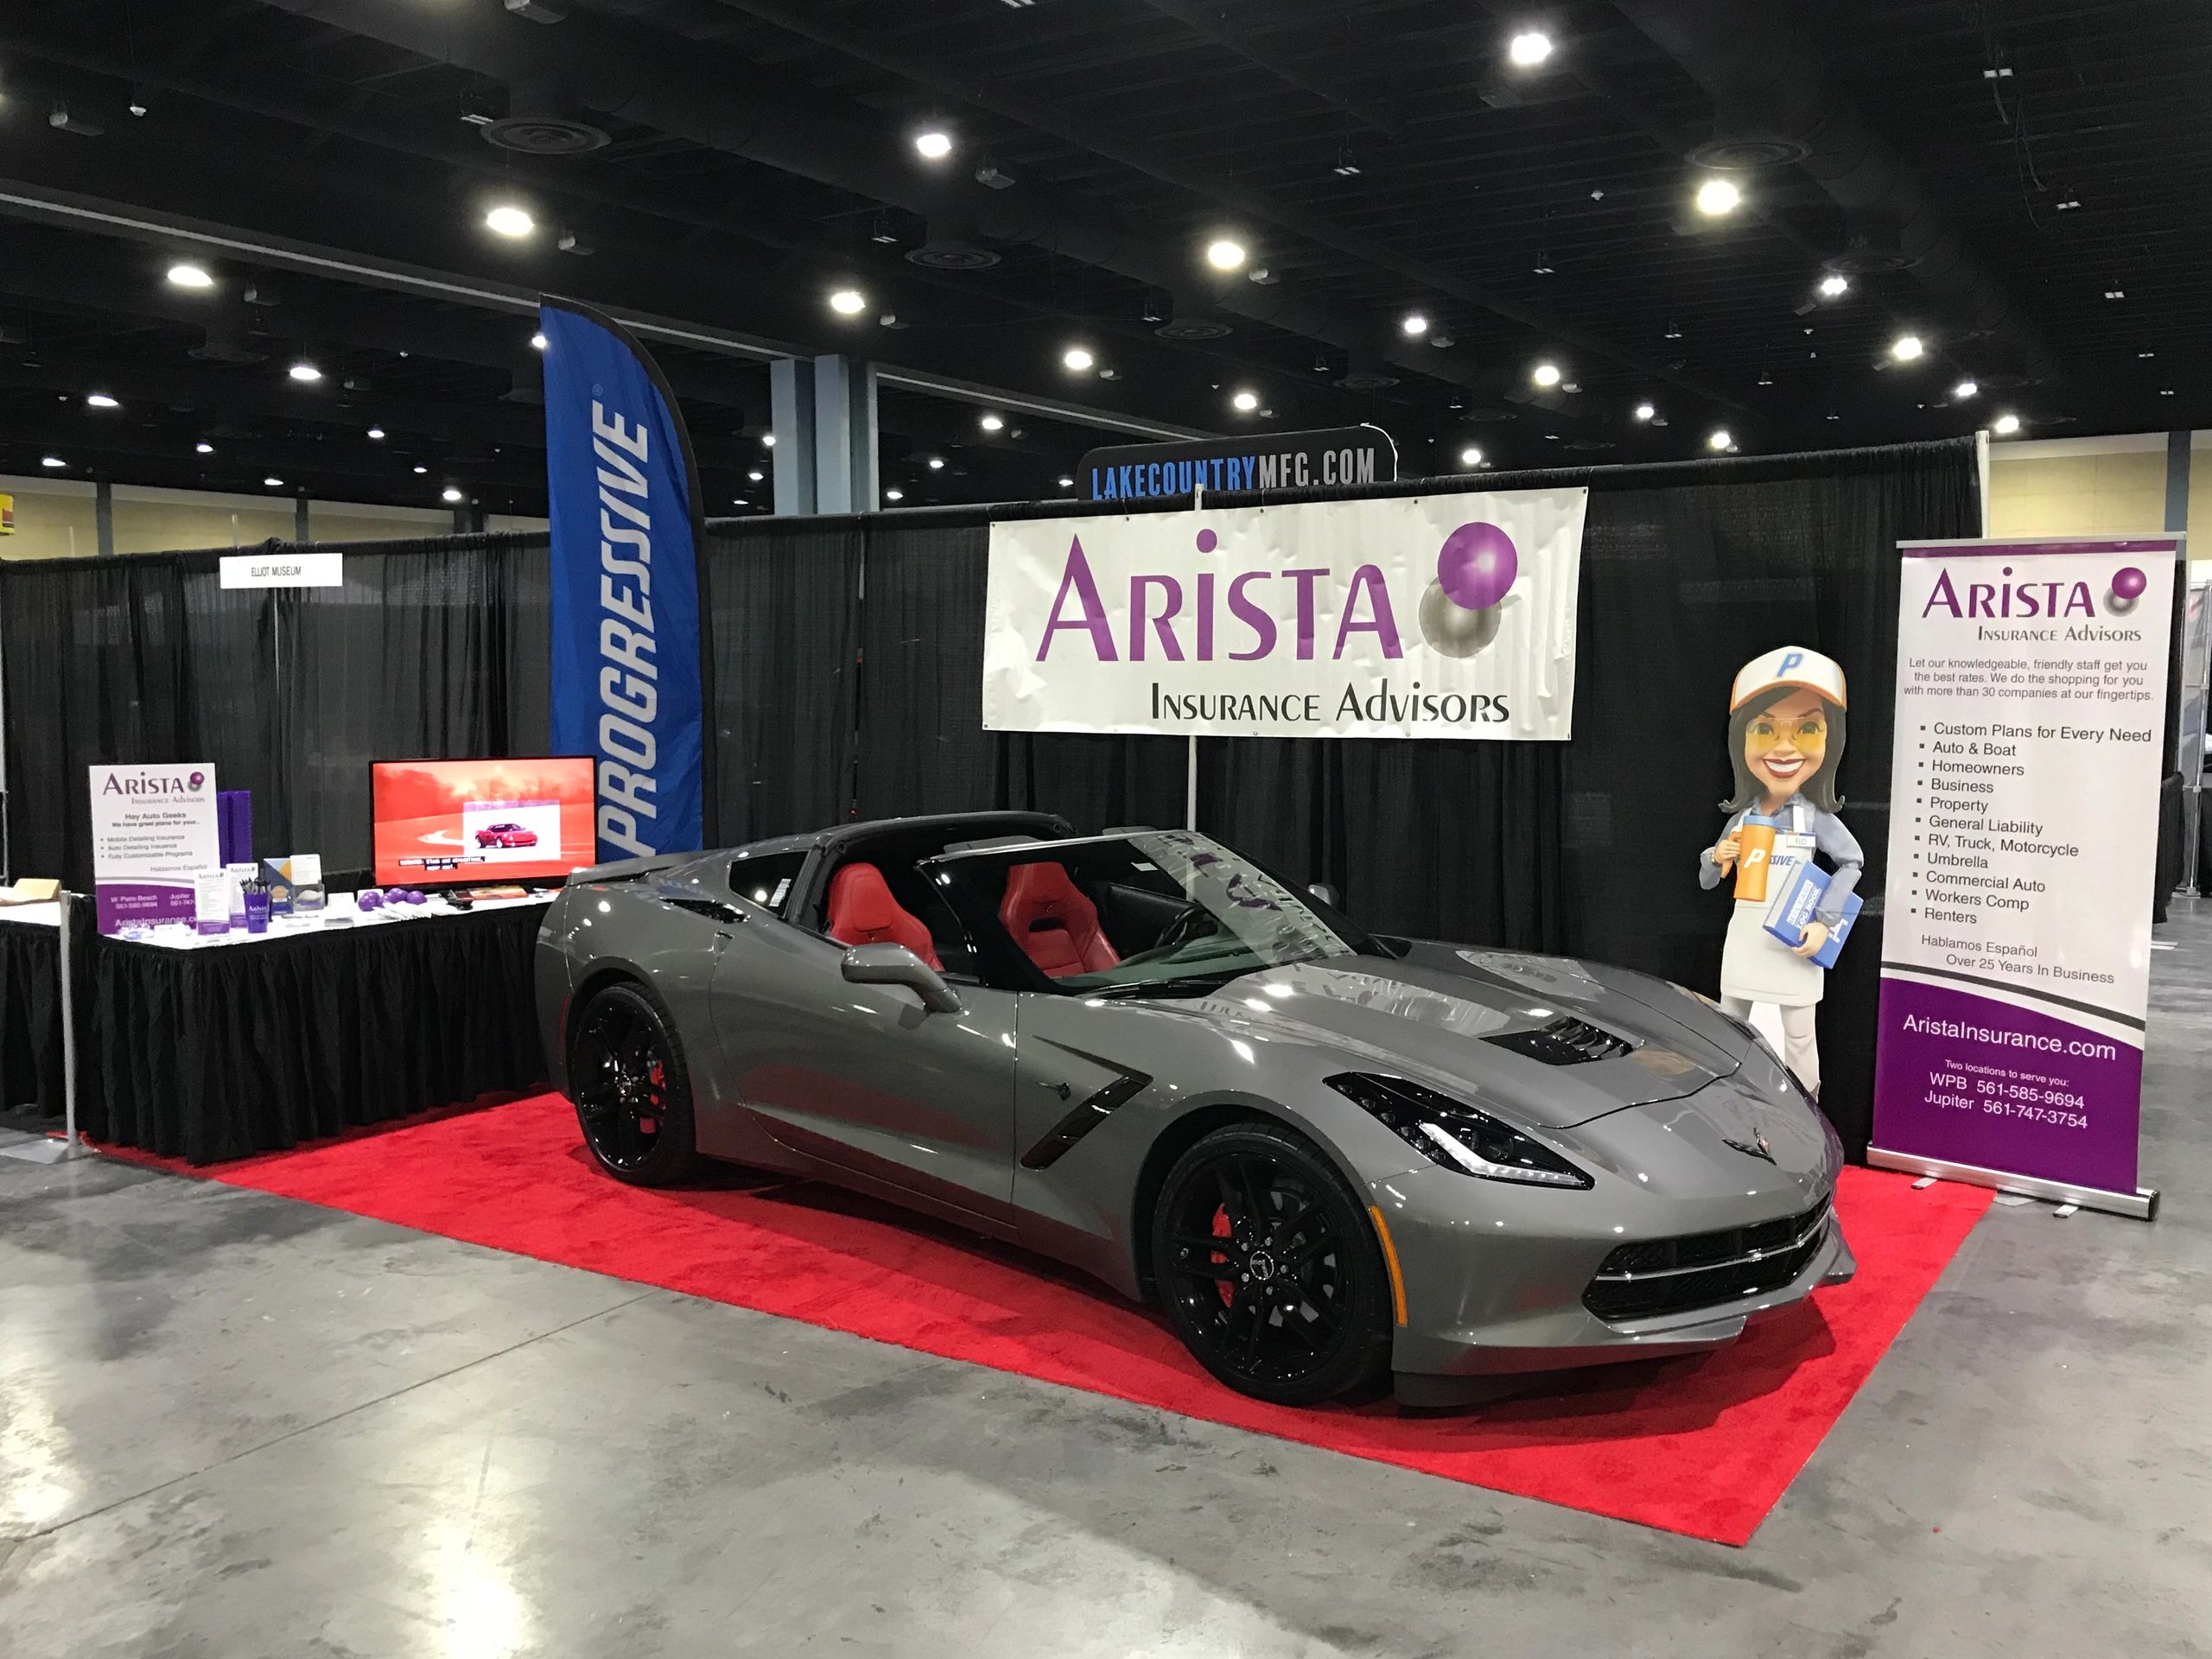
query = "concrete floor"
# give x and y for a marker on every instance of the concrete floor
(232, 1426)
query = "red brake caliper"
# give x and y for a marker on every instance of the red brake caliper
(1222, 1229)
(657, 1075)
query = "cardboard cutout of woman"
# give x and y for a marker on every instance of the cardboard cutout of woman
(1785, 741)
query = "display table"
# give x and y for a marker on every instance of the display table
(212, 1049)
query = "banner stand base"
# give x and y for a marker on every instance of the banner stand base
(2142, 1203)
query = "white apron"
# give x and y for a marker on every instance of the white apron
(1754, 964)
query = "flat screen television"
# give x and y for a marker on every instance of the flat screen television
(449, 823)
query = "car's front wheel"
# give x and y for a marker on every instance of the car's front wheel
(632, 1091)
(1268, 1267)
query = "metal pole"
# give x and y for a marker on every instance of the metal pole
(1191, 758)
(68, 1034)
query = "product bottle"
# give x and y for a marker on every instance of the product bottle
(257, 906)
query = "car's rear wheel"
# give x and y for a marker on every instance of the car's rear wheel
(1269, 1268)
(632, 1091)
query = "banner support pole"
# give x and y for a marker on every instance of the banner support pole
(1191, 751)
(70, 1145)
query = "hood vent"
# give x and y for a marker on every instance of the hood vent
(1565, 1041)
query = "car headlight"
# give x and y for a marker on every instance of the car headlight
(1456, 1135)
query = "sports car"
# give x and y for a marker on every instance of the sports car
(1324, 1154)
(506, 835)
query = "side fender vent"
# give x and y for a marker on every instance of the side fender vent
(1565, 1041)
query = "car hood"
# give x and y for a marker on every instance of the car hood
(1434, 1015)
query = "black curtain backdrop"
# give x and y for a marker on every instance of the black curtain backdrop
(848, 667)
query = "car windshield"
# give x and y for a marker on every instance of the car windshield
(1151, 911)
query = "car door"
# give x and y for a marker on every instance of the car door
(861, 1079)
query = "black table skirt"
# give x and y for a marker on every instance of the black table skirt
(30, 1019)
(215, 1054)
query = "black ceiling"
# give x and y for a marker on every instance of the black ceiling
(1989, 173)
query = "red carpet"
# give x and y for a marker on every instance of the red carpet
(1702, 1446)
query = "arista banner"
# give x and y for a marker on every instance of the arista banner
(1427, 616)
(2031, 717)
(627, 670)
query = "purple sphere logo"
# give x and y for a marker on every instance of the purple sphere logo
(1208, 541)
(196, 780)
(1476, 568)
(2127, 586)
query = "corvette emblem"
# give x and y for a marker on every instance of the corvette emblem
(1756, 1147)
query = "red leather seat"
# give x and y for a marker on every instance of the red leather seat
(1056, 926)
(862, 911)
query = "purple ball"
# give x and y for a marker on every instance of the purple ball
(2130, 583)
(368, 898)
(1476, 565)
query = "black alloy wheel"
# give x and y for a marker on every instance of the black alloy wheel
(631, 1093)
(1269, 1268)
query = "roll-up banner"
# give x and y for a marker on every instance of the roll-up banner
(1448, 616)
(630, 679)
(2031, 713)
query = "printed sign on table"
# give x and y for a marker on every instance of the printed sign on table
(1429, 616)
(2023, 813)
(153, 832)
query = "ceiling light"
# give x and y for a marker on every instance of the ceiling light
(51, 460)
(537, 342)
(101, 400)
(1719, 439)
(767, 440)
(1528, 48)
(184, 274)
(1644, 411)
(419, 471)
(849, 301)
(2005, 425)
(1545, 374)
(2144, 354)
(932, 144)
(507, 219)
(1905, 347)
(936, 463)
(1246, 401)
(1347, 168)
(2069, 205)
(1965, 390)
(1223, 254)
(1076, 358)
(1718, 196)
(449, 494)
(1834, 285)
(204, 448)
(377, 434)
(739, 501)
(306, 373)
(1414, 323)
(991, 423)
(1471, 456)
(1067, 483)
(2115, 293)
(273, 482)
(755, 476)
(895, 495)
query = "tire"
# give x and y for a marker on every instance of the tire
(631, 1088)
(1269, 1268)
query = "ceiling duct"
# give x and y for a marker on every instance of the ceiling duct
(540, 121)
(1750, 134)
(1871, 248)
(226, 342)
(948, 247)
(1754, 57)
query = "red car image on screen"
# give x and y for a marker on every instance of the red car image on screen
(506, 835)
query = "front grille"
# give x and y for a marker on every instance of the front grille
(1565, 1041)
(1675, 1276)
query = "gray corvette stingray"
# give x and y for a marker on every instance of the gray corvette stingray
(1323, 1153)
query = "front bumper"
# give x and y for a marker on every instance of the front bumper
(1495, 1276)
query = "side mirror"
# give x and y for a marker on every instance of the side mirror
(1326, 894)
(894, 964)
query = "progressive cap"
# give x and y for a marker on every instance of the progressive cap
(1789, 665)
